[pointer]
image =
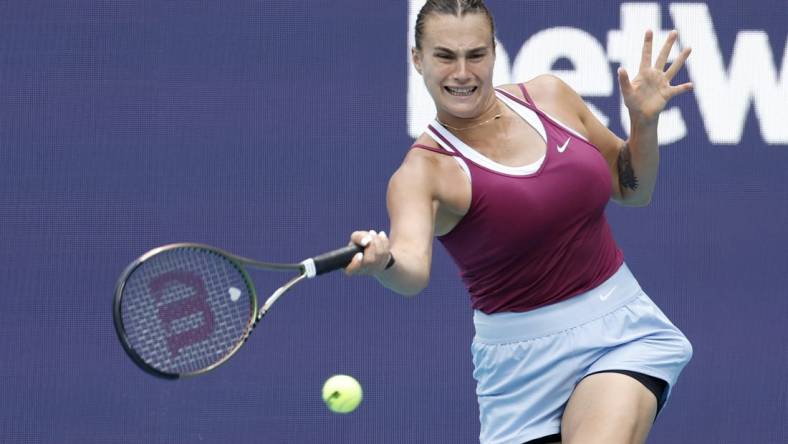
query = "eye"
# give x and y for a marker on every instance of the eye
(443, 56)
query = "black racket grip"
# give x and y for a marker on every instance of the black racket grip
(334, 260)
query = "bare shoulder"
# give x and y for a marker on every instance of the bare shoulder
(438, 157)
(513, 89)
(542, 88)
(555, 97)
(419, 166)
(426, 140)
(432, 173)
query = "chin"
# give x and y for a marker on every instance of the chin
(467, 108)
(463, 112)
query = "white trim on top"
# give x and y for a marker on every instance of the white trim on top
(530, 116)
(479, 159)
(470, 153)
(526, 113)
(565, 126)
(446, 147)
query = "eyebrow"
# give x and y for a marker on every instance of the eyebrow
(472, 50)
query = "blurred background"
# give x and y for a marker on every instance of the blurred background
(270, 128)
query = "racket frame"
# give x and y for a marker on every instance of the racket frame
(306, 269)
(239, 263)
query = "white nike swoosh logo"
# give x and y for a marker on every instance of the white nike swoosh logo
(562, 148)
(603, 297)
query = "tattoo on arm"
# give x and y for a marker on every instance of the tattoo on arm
(626, 175)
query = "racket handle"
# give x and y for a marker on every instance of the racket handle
(333, 260)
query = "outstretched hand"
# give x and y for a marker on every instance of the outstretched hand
(648, 93)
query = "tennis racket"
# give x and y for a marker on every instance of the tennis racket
(184, 309)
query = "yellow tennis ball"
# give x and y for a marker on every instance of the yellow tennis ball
(342, 393)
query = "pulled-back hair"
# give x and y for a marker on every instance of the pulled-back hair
(457, 8)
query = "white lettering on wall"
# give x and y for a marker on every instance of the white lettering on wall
(724, 96)
(591, 76)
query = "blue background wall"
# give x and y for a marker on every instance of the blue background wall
(270, 128)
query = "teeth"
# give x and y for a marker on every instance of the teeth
(461, 91)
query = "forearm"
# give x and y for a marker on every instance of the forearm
(638, 162)
(408, 276)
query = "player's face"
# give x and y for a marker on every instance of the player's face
(456, 61)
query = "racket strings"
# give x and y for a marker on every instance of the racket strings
(186, 310)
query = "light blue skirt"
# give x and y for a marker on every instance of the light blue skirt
(527, 364)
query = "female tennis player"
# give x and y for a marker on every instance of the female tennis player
(514, 181)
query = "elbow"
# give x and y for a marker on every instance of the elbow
(408, 288)
(410, 293)
(642, 199)
(642, 202)
(413, 289)
(408, 277)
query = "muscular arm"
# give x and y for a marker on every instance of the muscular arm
(412, 206)
(637, 163)
(633, 163)
(645, 98)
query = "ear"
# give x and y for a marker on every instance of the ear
(415, 55)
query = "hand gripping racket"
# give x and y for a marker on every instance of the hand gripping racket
(184, 309)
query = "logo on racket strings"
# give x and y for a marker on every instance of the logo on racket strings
(172, 313)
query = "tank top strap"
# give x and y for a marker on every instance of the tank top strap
(528, 102)
(527, 111)
(526, 95)
(444, 138)
(528, 106)
(441, 136)
(433, 149)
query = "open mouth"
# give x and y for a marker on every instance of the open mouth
(460, 92)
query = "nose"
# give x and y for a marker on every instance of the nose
(461, 73)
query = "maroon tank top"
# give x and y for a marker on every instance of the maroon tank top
(537, 234)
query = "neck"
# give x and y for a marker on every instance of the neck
(491, 114)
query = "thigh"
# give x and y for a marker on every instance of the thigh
(609, 408)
